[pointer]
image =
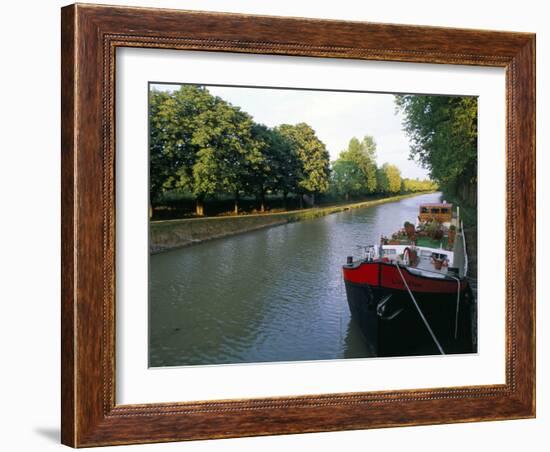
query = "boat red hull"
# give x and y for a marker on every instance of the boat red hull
(382, 307)
(386, 275)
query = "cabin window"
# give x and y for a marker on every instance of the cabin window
(444, 210)
(439, 256)
(424, 210)
(390, 251)
(435, 210)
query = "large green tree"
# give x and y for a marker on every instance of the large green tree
(443, 135)
(313, 158)
(363, 154)
(227, 152)
(175, 119)
(172, 149)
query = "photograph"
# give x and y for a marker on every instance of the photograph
(281, 225)
(292, 224)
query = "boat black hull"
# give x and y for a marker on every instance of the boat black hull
(392, 325)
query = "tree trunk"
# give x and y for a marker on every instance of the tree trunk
(236, 210)
(313, 200)
(285, 202)
(347, 196)
(199, 208)
(301, 201)
(262, 201)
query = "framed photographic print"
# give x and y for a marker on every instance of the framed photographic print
(280, 225)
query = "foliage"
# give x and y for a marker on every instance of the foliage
(443, 134)
(414, 185)
(278, 168)
(174, 119)
(312, 155)
(226, 151)
(347, 178)
(434, 230)
(388, 179)
(363, 155)
(203, 147)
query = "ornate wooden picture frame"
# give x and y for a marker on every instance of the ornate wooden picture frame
(90, 37)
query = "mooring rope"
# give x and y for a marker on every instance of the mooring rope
(420, 312)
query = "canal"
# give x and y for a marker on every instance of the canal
(274, 294)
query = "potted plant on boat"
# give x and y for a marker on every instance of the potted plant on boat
(409, 230)
(434, 230)
(438, 262)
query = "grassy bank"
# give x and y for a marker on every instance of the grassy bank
(170, 234)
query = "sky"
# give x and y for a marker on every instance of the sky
(336, 117)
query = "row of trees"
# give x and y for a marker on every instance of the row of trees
(203, 145)
(443, 135)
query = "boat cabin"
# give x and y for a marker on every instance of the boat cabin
(440, 212)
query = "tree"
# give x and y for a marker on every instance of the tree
(174, 119)
(277, 169)
(289, 170)
(161, 157)
(443, 134)
(313, 157)
(363, 154)
(389, 179)
(227, 151)
(347, 178)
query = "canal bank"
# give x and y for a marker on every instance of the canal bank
(171, 234)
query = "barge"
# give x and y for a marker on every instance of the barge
(410, 293)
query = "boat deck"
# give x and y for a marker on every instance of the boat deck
(425, 249)
(425, 262)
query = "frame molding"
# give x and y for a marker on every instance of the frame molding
(90, 35)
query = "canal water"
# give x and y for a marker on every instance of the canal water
(275, 294)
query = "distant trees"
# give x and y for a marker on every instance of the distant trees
(355, 173)
(363, 155)
(389, 179)
(347, 179)
(443, 134)
(414, 185)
